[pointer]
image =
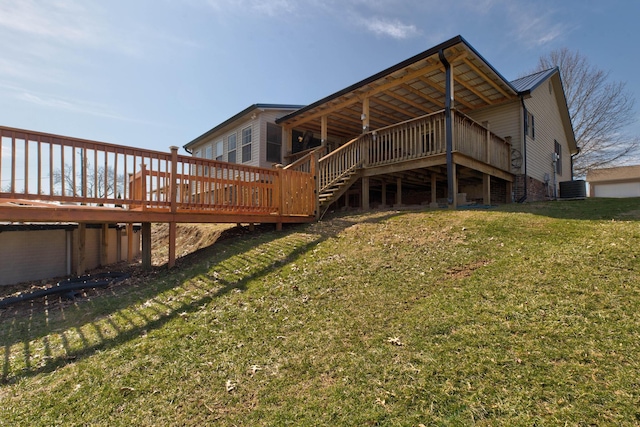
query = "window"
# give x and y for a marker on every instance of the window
(558, 157)
(274, 143)
(219, 150)
(231, 146)
(530, 126)
(246, 144)
(208, 152)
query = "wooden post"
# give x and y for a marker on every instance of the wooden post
(81, 268)
(399, 192)
(104, 247)
(129, 243)
(486, 189)
(509, 191)
(173, 189)
(434, 199)
(118, 244)
(280, 195)
(323, 130)
(172, 245)
(146, 245)
(365, 193)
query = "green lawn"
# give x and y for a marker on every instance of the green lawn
(522, 315)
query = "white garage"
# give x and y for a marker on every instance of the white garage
(623, 181)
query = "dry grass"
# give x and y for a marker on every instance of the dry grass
(529, 315)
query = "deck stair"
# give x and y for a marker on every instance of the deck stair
(337, 188)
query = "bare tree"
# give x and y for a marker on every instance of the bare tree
(100, 182)
(599, 110)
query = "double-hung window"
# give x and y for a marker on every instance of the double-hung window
(231, 147)
(246, 144)
(219, 150)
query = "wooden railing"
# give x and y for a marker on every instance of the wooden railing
(476, 141)
(413, 139)
(43, 167)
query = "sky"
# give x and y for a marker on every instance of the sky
(157, 73)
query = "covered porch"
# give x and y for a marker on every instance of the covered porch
(410, 126)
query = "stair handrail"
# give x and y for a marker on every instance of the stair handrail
(306, 158)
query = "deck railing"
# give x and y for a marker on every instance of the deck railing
(43, 167)
(413, 139)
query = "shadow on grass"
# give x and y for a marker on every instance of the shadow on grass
(231, 263)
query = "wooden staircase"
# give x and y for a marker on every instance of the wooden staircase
(337, 188)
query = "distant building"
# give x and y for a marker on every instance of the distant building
(622, 181)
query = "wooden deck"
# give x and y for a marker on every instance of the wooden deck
(53, 178)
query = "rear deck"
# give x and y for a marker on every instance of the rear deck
(53, 178)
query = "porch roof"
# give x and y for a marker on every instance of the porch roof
(409, 89)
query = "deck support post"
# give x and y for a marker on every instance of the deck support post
(129, 243)
(365, 193)
(486, 189)
(173, 191)
(434, 199)
(81, 267)
(104, 245)
(172, 245)
(118, 244)
(398, 192)
(509, 191)
(146, 245)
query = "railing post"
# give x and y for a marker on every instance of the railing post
(280, 195)
(173, 185)
(173, 192)
(315, 163)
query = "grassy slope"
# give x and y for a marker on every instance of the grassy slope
(527, 315)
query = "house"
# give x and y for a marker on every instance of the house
(443, 127)
(622, 181)
(251, 137)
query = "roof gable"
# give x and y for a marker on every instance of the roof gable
(246, 111)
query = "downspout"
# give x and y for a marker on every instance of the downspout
(448, 126)
(572, 156)
(524, 148)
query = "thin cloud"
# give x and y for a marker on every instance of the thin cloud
(390, 28)
(77, 107)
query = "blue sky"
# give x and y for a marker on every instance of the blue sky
(156, 73)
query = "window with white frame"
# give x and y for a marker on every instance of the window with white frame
(208, 152)
(231, 147)
(219, 150)
(246, 144)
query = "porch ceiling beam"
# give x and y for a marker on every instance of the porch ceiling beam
(408, 101)
(489, 80)
(393, 107)
(472, 90)
(441, 90)
(424, 96)
(410, 75)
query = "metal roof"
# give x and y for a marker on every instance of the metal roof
(412, 88)
(532, 81)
